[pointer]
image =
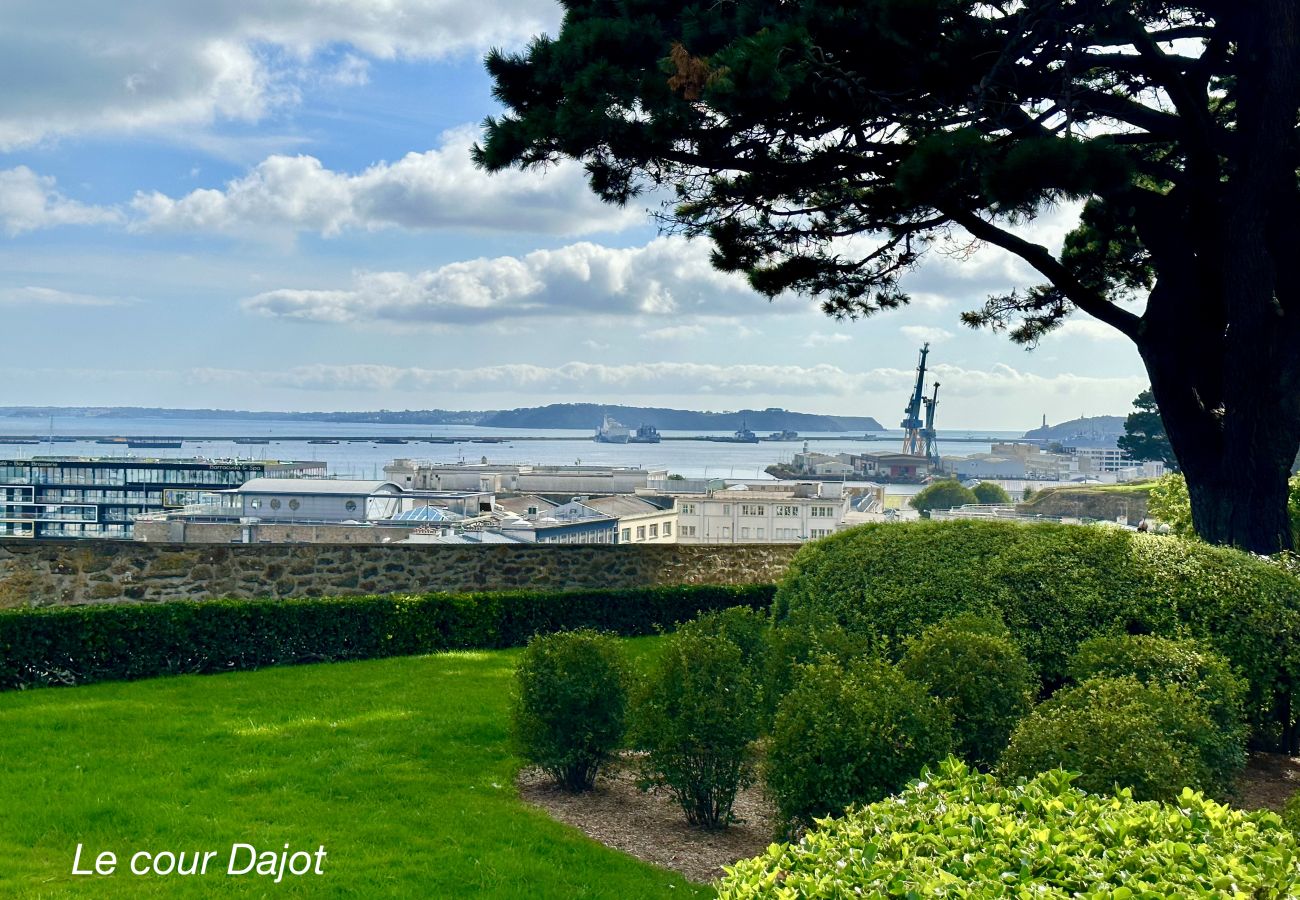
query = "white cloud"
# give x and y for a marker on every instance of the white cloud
(29, 201)
(92, 66)
(667, 277)
(440, 188)
(922, 333)
(821, 340)
(1081, 326)
(676, 333)
(43, 296)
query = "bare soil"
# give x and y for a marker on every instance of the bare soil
(650, 826)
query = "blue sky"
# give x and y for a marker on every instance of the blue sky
(268, 204)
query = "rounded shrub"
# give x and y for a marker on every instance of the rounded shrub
(1194, 667)
(956, 833)
(970, 663)
(846, 735)
(1117, 732)
(991, 492)
(1058, 585)
(697, 718)
(800, 641)
(568, 714)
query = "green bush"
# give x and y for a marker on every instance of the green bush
(1117, 732)
(1192, 666)
(850, 735)
(797, 643)
(568, 712)
(697, 718)
(78, 645)
(1291, 813)
(955, 833)
(942, 495)
(1055, 586)
(990, 492)
(971, 664)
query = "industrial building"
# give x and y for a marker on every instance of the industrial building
(99, 497)
(567, 481)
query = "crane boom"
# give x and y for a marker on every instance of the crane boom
(913, 442)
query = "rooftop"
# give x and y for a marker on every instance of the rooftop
(317, 486)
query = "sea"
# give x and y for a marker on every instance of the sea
(212, 439)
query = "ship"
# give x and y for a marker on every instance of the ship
(786, 435)
(322, 441)
(742, 436)
(645, 434)
(256, 441)
(612, 432)
(149, 444)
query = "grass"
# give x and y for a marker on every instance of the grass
(399, 767)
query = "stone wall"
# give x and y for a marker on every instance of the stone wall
(62, 573)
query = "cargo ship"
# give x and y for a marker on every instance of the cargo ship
(645, 434)
(612, 432)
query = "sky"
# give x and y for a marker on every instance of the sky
(269, 204)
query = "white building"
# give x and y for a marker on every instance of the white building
(527, 479)
(770, 512)
(639, 520)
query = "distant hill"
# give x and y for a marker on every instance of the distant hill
(589, 415)
(1090, 431)
(585, 416)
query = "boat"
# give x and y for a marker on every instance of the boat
(741, 436)
(118, 441)
(323, 441)
(645, 434)
(785, 435)
(252, 440)
(389, 440)
(17, 441)
(612, 431)
(148, 444)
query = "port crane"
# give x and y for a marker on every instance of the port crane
(918, 432)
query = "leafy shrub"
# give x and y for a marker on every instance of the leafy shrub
(798, 642)
(1117, 732)
(1055, 586)
(942, 495)
(1170, 503)
(990, 492)
(79, 645)
(569, 709)
(744, 626)
(1291, 813)
(850, 735)
(970, 663)
(956, 833)
(1192, 666)
(697, 718)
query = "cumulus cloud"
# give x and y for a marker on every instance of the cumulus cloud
(667, 277)
(93, 66)
(29, 201)
(922, 333)
(440, 188)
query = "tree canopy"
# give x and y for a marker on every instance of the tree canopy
(827, 147)
(946, 494)
(1144, 433)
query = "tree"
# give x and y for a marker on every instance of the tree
(942, 495)
(827, 147)
(1144, 433)
(989, 492)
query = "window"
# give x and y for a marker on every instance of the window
(688, 531)
(688, 509)
(654, 531)
(726, 531)
(822, 512)
(752, 509)
(350, 506)
(726, 509)
(640, 532)
(761, 534)
(668, 529)
(627, 535)
(787, 510)
(275, 504)
(255, 504)
(294, 504)
(744, 532)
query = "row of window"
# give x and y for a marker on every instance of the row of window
(625, 536)
(760, 509)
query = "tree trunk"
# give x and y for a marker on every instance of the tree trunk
(1241, 501)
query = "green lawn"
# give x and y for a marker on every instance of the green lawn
(399, 767)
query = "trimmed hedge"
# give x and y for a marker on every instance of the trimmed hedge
(1055, 586)
(955, 833)
(79, 645)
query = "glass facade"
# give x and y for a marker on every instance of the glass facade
(100, 498)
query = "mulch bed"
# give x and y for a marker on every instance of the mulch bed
(650, 826)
